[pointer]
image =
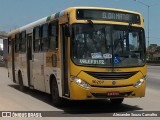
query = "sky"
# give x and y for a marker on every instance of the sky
(17, 13)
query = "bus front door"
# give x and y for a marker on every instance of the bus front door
(64, 61)
(29, 60)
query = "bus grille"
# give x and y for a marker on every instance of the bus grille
(111, 75)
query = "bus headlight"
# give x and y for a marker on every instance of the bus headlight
(80, 82)
(139, 82)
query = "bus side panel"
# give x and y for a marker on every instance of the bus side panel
(38, 71)
(17, 60)
(5, 51)
(50, 70)
(10, 75)
(47, 72)
(12, 59)
(23, 69)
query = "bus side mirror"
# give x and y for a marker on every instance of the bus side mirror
(67, 30)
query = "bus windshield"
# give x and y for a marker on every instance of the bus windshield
(108, 45)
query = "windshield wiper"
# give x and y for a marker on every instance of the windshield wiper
(90, 21)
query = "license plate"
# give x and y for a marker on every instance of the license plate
(113, 94)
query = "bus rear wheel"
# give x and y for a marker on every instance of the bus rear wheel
(117, 101)
(56, 100)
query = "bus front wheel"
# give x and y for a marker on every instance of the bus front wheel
(56, 100)
(117, 101)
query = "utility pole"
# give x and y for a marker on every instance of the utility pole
(148, 7)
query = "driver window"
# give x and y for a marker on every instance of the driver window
(134, 41)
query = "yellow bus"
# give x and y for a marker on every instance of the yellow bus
(81, 53)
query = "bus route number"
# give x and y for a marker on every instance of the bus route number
(98, 82)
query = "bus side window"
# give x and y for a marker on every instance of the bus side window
(53, 35)
(37, 38)
(45, 40)
(9, 45)
(17, 43)
(23, 42)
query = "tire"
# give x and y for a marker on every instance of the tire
(117, 101)
(56, 100)
(21, 86)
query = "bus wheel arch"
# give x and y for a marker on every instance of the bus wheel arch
(20, 80)
(52, 78)
(56, 99)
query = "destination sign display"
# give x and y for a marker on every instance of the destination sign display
(108, 15)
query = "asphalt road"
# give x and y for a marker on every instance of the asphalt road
(11, 99)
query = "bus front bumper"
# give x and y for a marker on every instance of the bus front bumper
(79, 93)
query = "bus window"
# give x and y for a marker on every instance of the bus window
(17, 43)
(45, 40)
(9, 45)
(23, 42)
(36, 43)
(53, 36)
